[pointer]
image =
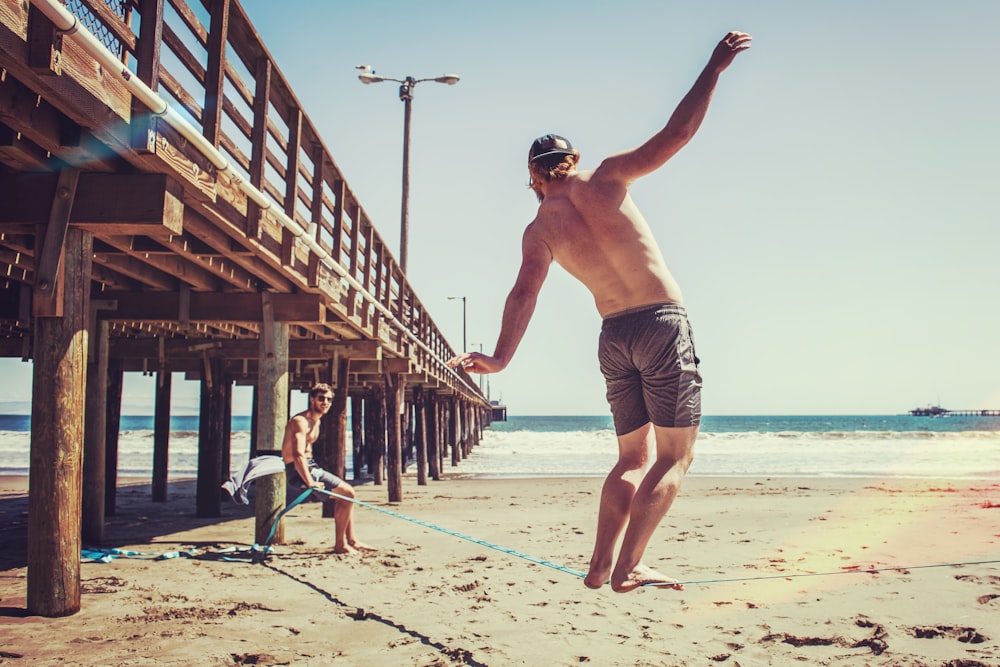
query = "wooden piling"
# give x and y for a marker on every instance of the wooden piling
(357, 435)
(57, 426)
(113, 423)
(456, 431)
(420, 434)
(433, 436)
(227, 433)
(395, 389)
(161, 435)
(337, 417)
(210, 440)
(332, 454)
(377, 453)
(95, 432)
(272, 417)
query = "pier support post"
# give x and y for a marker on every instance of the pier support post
(94, 439)
(377, 452)
(420, 434)
(272, 417)
(226, 397)
(433, 436)
(357, 435)
(395, 389)
(112, 426)
(332, 455)
(57, 425)
(456, 431)
(161, 435)
(210, 439)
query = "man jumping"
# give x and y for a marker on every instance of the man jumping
(587, 222)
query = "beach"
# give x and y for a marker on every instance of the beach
(819, 571)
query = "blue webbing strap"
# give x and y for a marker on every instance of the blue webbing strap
(274, 527)
(512, 552)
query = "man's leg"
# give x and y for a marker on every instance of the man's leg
(343, 516)
(655, 495)
(634, 450)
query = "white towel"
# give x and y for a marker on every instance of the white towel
(238, 484)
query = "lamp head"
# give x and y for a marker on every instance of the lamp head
(367, 74)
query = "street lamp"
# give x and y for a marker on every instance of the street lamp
(465, 348)
(406, 86)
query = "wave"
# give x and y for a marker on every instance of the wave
(960, 454)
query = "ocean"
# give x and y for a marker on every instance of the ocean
(950, 447)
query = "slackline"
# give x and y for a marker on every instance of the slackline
(258, 553)
(578, 573)
(476, 540)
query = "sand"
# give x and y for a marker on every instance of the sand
(780, 558)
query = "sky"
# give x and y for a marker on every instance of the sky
(833, 225)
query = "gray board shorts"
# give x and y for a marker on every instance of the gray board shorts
(650, 368)
(295, 484)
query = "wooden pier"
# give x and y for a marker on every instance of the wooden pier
(151, 224)
(938, 411)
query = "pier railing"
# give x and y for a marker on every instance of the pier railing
(257, 169)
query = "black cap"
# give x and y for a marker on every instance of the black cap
(550, 144)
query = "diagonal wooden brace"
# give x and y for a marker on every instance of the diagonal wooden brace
(48, 260)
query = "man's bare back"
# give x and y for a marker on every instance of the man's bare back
(593, 230)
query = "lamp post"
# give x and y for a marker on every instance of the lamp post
(406, 86)
(465, 348)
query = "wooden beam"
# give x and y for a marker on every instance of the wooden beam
(355, 349)
(210, 232)
(215, 307)
(47, 301)
(144, 275)
(191, 274)
(147, 204)
(44, 44)
(22, 155)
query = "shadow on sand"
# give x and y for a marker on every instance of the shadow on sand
(137, 519)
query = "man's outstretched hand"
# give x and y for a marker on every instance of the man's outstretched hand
(726, 51)
(474, 362)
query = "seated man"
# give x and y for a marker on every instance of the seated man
(302, 472)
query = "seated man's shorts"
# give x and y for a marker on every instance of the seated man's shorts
(650, 368)
(295, 484)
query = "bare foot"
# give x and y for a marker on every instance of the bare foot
(343, 549)
(644, 576)
(597, 577)
(361, 546)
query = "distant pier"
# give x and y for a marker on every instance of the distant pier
(938, 411)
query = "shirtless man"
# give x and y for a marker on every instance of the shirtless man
(302, 472)
(586, 222)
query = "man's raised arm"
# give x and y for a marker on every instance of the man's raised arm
(684, 122)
